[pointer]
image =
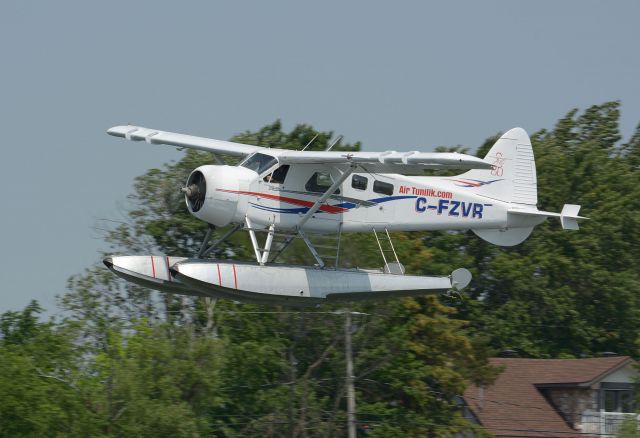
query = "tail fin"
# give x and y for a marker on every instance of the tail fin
(513, 179)
(569, 217)
(513, 176)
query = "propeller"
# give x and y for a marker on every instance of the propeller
(195, 190)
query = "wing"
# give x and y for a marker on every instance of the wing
(386, 162)
(406, 163)
(154, 136)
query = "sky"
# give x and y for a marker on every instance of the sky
(395, 75)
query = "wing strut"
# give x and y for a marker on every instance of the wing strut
(204, 252)
(315, 207)
(205, 241)
(314, 253)
(262, 254)
(393, 267)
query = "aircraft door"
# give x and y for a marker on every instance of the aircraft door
(385, 210)
(272, 185)
(303, 185)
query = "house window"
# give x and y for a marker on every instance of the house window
(383, 188)
(618, 400)
(320, 183)
(359, 182)
(278, 175)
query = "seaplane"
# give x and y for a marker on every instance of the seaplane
(279, 195)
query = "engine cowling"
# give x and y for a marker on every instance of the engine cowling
(211, 194)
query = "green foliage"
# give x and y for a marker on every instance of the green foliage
(42, 383)
(629, 428)
(161, 381)
(18, 328)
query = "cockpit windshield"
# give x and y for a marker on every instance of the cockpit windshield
(259, 162)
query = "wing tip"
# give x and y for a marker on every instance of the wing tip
(119, 131)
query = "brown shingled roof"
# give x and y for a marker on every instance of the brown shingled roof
(513, 405)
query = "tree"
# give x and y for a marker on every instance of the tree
(43, 388)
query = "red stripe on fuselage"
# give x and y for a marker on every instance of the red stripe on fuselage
(474, 184)
(326, 208)
(153, 267)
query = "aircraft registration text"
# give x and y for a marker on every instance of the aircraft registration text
(451, 207)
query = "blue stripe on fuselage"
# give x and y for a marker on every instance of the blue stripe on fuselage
(347, 205)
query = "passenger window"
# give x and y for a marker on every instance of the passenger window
(320, 183)
(278, 175)
(383, 188)
(359, 182)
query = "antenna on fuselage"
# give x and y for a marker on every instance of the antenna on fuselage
(334, 143)
(311, 141)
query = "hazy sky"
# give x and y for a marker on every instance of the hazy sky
(395, 75)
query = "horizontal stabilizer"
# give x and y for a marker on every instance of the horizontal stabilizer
(569, 217)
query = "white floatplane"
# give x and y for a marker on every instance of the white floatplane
(284, 194)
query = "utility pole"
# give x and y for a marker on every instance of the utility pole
(292, 378)
(351, 390)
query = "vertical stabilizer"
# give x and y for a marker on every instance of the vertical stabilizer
(513, 176)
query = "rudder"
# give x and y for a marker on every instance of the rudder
(513, 177)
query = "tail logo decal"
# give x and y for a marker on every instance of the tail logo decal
(497, 170)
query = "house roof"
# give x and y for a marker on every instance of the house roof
(514, 406)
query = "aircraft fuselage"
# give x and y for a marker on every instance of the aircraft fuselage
(364, 201)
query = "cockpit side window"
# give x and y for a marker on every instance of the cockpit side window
(259, 162)
(359, 182)
(320, 183)
(278, 175)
